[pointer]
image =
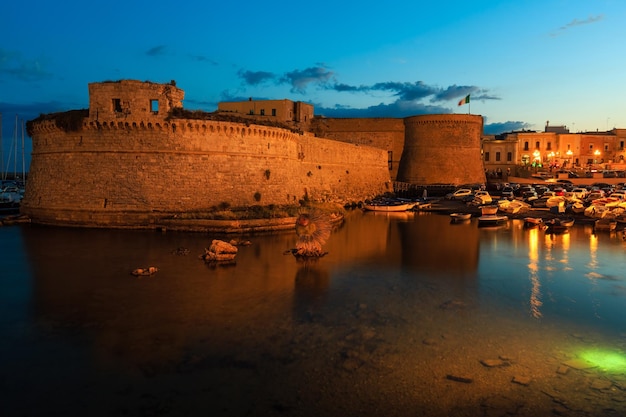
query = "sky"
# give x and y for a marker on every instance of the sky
(523, 63)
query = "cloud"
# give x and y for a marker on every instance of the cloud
(15, 66)
(158, 50)
(300, 79)
(201, 58)
(576, 22)
(397, 109)
(256, 77)
(498, 128)
(409, 98)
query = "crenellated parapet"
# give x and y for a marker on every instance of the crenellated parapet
(135, 157)
(134, 170)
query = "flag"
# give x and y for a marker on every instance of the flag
(464, 100)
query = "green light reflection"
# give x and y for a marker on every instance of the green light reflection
(605, 359)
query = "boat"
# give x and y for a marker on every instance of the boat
(621, 218)
(9, 201)
(596, 212)
(388, 206)
(492, 220)
(533, 221)
(578, 207)
(566, 221)
(459, 217)
(605, 225)
(511, 207)
(489, 210)
(559, 224)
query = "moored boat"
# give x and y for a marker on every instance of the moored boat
(559, 224)
(605, 225)
(533, 221)
(387, 206)
(511, 207)
(492, 220)
(565, 221)
(489, 210)
(459, 217)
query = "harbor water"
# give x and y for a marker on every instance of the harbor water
(407, 315)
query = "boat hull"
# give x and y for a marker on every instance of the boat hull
(387, 208)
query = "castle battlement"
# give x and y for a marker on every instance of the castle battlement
(133, 165)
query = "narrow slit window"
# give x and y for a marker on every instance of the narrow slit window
(154, 106)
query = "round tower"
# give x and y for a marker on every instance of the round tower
(442, 149)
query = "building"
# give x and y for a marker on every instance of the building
(554, 149)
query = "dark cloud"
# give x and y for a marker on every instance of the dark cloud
(300, 79)
(156, 51)
(411, 98)
(454, 92)
(497, 128)
(256, 77)
(397, 109)
(406, 91)
(13, 65)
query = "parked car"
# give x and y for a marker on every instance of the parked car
(595, 195)
(570, 174)
(507, 193)
(521, 190)
(580, 193)
(529, 196)
(460, 193)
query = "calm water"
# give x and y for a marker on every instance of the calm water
(407, 315)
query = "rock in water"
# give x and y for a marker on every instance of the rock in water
(220, 251)
(313, 230)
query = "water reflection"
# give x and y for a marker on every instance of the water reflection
(397, 305)
(533, 269)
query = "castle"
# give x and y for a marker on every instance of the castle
(136, 156)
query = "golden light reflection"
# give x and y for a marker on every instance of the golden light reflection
(533, 271)
(593, 251)
(566, 246)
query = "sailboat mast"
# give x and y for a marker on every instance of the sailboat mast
(1, 151)
(23, 160)
(15, 147)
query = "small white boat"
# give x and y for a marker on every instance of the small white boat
(492, 220)
(459, 217)
(511, 207)
(388, 207)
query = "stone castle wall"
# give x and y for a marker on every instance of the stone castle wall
(442, 149)
(127, 163)
(382, 133)
(133, 173)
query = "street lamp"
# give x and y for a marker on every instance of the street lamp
(569, 154)
(596, 154)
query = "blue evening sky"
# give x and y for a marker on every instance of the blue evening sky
(522, 62)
